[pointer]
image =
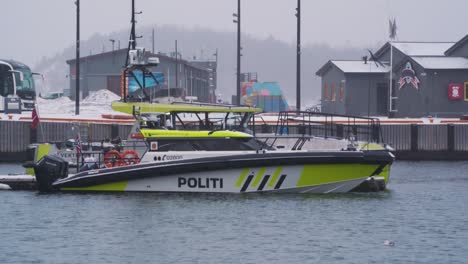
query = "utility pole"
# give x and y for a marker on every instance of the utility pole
(133, 34)
(176, 66)
(216, 69)
(298, 66)
(152, 50)
(237, 19)
(77, 62)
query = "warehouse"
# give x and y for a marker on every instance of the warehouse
(104, 70)
(428, 79)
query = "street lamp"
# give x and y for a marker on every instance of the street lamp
(237, 20)
(113, 42)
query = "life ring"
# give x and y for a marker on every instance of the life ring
(130, 157)
(113, 158)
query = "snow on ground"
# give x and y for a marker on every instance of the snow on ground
(93, 106)
(99, 102)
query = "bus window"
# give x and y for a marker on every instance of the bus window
(6, 82)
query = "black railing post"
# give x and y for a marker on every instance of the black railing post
(355, 130)
(114, 131)
(301, 129)
(414, 137)
(340, 131)
(450, 137)
(33, 135)
(375, 133)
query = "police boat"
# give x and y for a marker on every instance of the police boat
(178, 159)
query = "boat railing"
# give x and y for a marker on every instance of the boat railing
(228, 106)
(326, 125)
(127, 153)
(272, 142)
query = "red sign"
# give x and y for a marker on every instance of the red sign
(455, 91)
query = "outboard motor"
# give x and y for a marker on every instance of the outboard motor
(48, 170)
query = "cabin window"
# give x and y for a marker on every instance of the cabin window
(222, 144)
(209, 144)
(174, 145)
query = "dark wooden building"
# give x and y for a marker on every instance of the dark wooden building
(428, 79)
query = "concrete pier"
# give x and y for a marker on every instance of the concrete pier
(17, 182)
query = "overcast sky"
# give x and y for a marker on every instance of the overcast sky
(32, 29)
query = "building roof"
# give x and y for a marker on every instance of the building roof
(457, 45)
(147, 54)
(441, 63)
(98, 55)
(423, 48)
(353, 66)
(417, 48)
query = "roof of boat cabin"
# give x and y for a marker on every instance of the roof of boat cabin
(181, 108)
(172, 134)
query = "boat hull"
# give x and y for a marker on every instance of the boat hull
(302, 172)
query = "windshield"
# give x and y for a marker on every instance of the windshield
(27, 84)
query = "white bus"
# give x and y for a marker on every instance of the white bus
(16, 80)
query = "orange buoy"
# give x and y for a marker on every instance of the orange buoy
(130, 157)
(113, 158)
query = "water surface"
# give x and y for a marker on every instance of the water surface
(424, 213)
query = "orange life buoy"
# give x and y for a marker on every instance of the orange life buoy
(130, 157)
(113, 158)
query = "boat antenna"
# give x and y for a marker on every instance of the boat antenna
(137, 62)
(132, 41)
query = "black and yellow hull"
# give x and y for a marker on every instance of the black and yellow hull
(297, 172)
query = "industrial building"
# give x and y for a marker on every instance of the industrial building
(104, 71)
(428, 79)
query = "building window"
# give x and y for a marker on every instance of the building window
(332, 95)
(325, 92)
(342, 90)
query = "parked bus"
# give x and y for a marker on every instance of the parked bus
(16, 80)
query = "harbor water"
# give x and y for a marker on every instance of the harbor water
(424, 213)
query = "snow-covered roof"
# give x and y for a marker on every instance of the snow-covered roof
(449, 63)
(423, 48)
(359, 66)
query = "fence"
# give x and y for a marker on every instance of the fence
(16, 136)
